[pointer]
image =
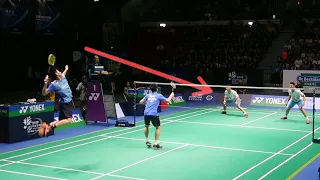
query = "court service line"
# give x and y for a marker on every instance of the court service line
(205, 146)
(68, 169)
(253, 167)
(250, 127)
(28, 174)
(146, 159)
(275, 168)
(80, 140)
(90, 133)
(82, 144)
(259, 118)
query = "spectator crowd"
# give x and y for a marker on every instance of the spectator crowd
(303, 50)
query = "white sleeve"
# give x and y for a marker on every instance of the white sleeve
(290, 92)
(301, 93)
(235, 94)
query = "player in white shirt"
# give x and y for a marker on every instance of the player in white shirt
(230, 97)
(297, 98)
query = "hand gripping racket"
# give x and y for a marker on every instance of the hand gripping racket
(173, 85)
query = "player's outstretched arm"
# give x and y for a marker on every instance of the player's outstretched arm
(168, 100)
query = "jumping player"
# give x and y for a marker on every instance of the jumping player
(61, 87)
(231, 96)
(296, 97)
(152, 102)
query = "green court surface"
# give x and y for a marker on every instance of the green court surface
(197, 144)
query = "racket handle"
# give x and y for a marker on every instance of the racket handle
(49, 69)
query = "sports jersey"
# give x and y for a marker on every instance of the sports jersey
(230, 96)
(296, 94)
(62, 88)
(152, 102)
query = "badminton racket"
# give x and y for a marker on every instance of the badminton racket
(173, 85)
(51, 61)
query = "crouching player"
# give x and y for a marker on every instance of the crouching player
(297, 98)
(231, 96)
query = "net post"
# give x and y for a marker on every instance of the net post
(134, 103)
(314, 139)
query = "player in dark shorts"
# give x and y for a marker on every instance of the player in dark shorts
(61, 87)
(152, 102)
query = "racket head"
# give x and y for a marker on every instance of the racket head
(51, 59)
(173, 85)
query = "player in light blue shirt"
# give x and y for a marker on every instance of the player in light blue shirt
(232, 97)
(297, 98)
(152, 101)
(61, 87)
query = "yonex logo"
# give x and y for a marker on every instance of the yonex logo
(94, 96)
(23, 109)
(258, 100)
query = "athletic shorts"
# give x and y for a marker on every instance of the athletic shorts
(155, 120)
(65, 110)
(234, 101)
(293, 103)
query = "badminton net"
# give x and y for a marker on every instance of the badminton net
(254, 100)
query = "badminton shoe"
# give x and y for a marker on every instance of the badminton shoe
(223, 112)
(246, 115)
(148, 144)
(157, 146)
(308, 121)
(284, 117)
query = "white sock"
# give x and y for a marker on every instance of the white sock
(156, 142)
(307, 118)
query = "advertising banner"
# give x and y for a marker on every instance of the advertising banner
(13, 18)
(177, 100)
(47, 17)
(95, 103)
(203, 98)
(280, 101)
(308, 79)
(249, 77)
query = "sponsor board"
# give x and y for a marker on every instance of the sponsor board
(32, 125)
(280, 101)
(308, 79)
(209, 97)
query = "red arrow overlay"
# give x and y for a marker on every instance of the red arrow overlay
(203, 89)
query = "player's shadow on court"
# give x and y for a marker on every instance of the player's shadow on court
(235, 115)
(81, 168)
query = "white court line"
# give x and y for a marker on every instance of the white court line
(275, 168)
(205, 146)
(253, 167)
(28, 174)
(250, 127)
(59, 145)
(125, 129)
(98, 140)
(146, 159)
(67, 169)
(259, 118)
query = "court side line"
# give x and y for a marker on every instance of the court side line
(146, 159)
(87, 134)
(275, 168)
(294, 174)
(67, 169)
(206, 146)
(258, 118)
(28, 174)
(80, 140)
(253, 127)
(253, 167)
(94, 141)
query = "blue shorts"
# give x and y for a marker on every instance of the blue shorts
(234, 101)
(293, 103)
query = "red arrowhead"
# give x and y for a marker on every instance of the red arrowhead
(203, 89)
